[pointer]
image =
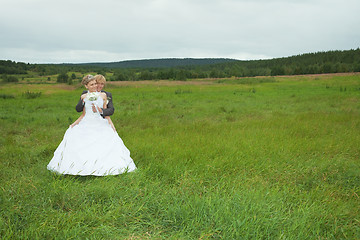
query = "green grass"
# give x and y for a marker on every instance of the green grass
(276, 158)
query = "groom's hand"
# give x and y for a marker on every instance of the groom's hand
(99, 110)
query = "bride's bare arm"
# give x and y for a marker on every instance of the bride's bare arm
(83, 112)
(111, 123)
(79, 119)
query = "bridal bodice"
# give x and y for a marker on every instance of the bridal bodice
(93, 98)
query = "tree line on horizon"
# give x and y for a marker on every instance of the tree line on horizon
(182, 69)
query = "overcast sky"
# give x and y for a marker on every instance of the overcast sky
(73, 31)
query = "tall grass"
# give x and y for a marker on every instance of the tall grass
(276, 159)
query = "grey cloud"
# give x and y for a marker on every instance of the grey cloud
(110, 30)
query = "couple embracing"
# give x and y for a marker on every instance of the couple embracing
(91, 145)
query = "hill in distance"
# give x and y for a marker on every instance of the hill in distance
(161, 63)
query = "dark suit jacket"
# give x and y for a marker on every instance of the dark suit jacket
(106, 112)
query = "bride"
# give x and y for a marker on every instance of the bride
(91, 145)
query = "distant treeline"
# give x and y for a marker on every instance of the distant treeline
(161, 63)
(182, 69)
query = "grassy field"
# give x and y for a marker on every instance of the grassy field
(250, 158)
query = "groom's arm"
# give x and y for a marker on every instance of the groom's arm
(80, 105)
(110, 106)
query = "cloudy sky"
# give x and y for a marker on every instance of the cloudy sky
(73, 31)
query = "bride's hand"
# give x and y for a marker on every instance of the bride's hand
(93, 108)
(99, 110)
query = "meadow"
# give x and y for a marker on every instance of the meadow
(247, 158)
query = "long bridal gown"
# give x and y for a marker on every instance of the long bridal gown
(91, 148)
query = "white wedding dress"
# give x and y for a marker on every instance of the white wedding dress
(91, 148)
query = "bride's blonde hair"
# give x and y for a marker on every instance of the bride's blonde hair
(88, 78)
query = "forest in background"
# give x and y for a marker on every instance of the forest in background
(189, 68)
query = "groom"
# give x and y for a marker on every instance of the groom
(100, 80)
